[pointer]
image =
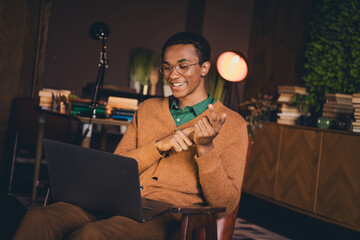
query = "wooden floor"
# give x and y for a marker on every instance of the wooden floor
(258, 219)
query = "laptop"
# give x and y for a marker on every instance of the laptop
(99, 181)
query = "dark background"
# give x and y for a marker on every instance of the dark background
(46, 43)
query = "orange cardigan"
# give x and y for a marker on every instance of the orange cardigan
(184, 179)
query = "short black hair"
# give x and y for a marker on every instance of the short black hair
(201, 45)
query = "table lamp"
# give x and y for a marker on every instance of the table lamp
(232, 66)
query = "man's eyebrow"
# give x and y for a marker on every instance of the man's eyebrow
(183, 60)
(179, 61)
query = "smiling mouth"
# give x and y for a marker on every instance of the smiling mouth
(178, 84)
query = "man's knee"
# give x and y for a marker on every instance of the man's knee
(33, 225)
(88, 231)
(36, 216)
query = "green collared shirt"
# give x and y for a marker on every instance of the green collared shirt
(190, 112)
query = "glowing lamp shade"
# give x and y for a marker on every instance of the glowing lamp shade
(232, 66)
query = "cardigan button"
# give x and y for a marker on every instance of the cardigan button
(155, 178)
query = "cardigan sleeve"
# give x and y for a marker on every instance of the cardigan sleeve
(221, 171)
(146, 155)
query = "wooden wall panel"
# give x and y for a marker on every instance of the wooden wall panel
(277, 45)
(339, 179)
(261, 169)
(298, 167)
(23, 33)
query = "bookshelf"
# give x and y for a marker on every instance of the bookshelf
(309, 170)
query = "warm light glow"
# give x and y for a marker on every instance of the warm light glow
(232, 67)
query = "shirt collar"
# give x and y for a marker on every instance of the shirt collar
(198, 108)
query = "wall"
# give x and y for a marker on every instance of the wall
(280, 29)
(21, 24)
(72, 56)
(227, 26)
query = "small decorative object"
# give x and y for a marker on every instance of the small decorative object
(323, 122)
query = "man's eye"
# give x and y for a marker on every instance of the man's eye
(183, 66)
(166, 67)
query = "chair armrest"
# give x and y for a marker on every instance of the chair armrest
(197, 210)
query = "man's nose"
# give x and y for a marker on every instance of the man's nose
(174, 73)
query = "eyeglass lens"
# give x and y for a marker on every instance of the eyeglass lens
(181, 68)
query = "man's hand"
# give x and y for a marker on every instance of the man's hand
(178, 141)
(206, 131)
(202, 134)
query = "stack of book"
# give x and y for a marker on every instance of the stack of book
(337, 106)
(122, 108)
(122, 114)
(82, 107)
(289, 113)
(47, 96)
(356, 106)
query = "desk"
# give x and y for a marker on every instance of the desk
(85, 143)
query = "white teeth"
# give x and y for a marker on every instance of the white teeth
(178, 84)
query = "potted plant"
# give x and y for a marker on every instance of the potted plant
(303, 103)
(260, 109)
(140, 67)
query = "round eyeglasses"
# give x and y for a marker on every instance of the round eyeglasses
(180, 68)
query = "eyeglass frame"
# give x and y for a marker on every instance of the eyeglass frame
(176, 68)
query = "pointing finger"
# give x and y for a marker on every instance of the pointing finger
(212, 113)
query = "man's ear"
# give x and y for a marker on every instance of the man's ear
(205, 67)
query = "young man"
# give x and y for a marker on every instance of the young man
(190, 148)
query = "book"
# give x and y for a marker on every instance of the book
(339, 104)
(338, 110)
(286, 98)
(356, 100)
(49, 92)
(122, 112)
(46, 96)
(85, 102)
(339, 97)
(356, 124)
(292, 89)
(357, 130)
(288, 108)
(121, 102)
(295, 115)
(124, 118)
